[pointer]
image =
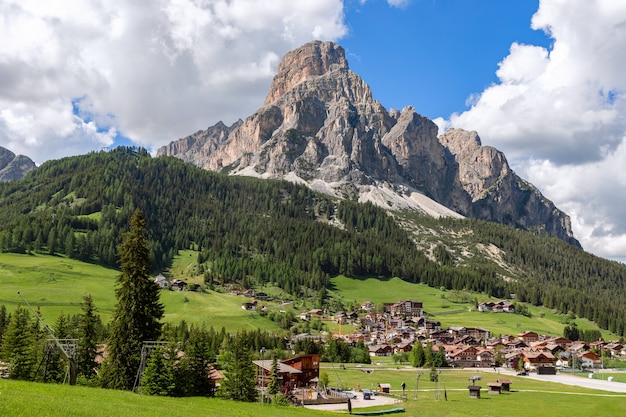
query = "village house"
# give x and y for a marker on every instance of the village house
(368, 306)
(590, 360)
(381, 350)
(406, 308)
(162, 282)
(537, 359)
(528, 337)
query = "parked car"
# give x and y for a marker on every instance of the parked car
(367, 394)
(350, 395)
(522, 373)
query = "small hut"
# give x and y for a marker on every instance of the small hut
(506, 384)
(474, 391)
(494, 388)
(384, 388)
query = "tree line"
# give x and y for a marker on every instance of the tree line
(252, 231)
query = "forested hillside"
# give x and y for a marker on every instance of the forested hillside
(250, 230)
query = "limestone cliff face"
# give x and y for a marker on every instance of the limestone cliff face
(14, 167)
(320, 125)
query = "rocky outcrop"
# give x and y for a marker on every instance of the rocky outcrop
(319, 125)
(14, 167)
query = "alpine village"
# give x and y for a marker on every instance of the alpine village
(323, 255)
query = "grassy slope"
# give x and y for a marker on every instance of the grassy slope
(451, 313)
(56, 285)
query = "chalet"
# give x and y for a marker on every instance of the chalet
(249, 305)
(306, 316)
(590, 360)
(536, 359)
(380, 350)
(470, 356)
(162, 282)
(406, 308)
(478, 333)
(309, 365)
(288, 374)
(486, 306)
(178, 285)
(528, 337)
(405, 346)
(616, 349)
(367, 306)
(442, 336)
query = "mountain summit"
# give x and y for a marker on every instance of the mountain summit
(320, 126)
(14, 167)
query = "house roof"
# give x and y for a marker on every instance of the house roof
(282, 368)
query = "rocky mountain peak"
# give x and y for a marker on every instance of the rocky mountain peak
(321, 127)
(310, 60)
(14, 167)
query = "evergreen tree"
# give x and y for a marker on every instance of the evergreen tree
(274, 385)
(239, 378)
(138, 310)
(428, 355)
(158, 378)
(18, 345)
(87, 345)
(417, 355)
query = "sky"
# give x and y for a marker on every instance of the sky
(541, 80)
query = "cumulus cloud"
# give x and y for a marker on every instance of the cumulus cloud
(558, 114)
(153, 73)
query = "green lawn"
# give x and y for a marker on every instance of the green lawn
(543, 398)
(528, 397)
(29, 399)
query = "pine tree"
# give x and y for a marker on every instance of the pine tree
(417, 355)
(239, 381)
(138, 310)
(158, 378)
(18, 345)
(274, 385)
(87, 346)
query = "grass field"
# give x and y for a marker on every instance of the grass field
(528, 397)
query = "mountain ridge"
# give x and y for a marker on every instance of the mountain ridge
(319, 125)
(14, 167)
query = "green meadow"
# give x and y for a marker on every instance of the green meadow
(56, 285)
(454, 308)
(450, 398)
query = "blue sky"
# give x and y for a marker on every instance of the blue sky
(431, 54)
(541, 80)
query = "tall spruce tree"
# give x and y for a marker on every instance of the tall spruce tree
(138, 310)
(87, 346)
(18, 345)
(240, 379)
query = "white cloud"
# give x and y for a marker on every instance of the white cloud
(154, 72)
(558, 115)
(399, 3)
